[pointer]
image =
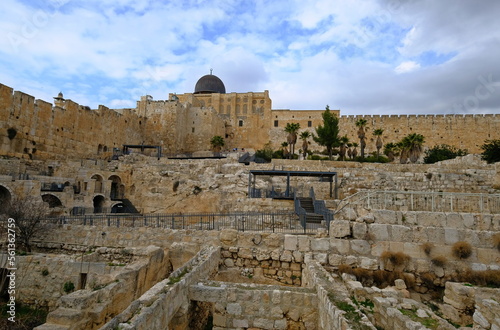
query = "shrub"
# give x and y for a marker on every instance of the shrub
(45, 272)
(428, 279)
(427, 247)
(489, 278)
(68, 287)
(462, 250)
(442, 152)
(491, 151)
(395, 258)
(439, 261)
(345, 269)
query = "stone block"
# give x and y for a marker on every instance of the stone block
(320, 244)
(360, 247)
(304, 243)
(291, 242)
(385, 217)
(340, 246)
(297, 256)
(368, 263)
(245, 253)
(379, 232)
(233, 308)
(280, 324)
(286, 256)
(228, 236)
(451, 236)
(335, 259)
(359, 230)
(401, 233)
(322, 258)
(263, 323)
(340, 228)
(238, 323)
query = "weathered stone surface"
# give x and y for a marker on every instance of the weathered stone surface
(340, 228)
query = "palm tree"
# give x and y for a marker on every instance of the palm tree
(412, 147)
(391, 150)
(378, 133)
(349, 150)
(217, 143)
(284, 149)
(291, 129)
(354, 151)
(361, 123)
(305, 144)
(343, 143)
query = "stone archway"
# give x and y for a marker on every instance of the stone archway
(98, 202)
(117, 188)
(52, 201)
(98, 183)
(5, 197)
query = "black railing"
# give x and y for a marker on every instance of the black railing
(320, 208)
(280, 222)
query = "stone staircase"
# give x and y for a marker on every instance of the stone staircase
(307, 204)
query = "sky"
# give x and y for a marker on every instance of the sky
(360, 56)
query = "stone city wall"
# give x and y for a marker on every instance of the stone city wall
(34, 129)
(462, 131)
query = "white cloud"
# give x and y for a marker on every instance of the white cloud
(350, 55)
(407, 66)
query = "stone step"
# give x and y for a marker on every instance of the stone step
(51, 326)
(65, 316)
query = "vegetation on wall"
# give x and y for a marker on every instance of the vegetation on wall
(217, 142)
(442, 152)
(491, 151)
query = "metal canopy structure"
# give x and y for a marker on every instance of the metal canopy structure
(126, 148)
(323, 176)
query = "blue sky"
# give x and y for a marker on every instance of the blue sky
(359, 56)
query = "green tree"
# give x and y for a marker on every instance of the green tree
(378, 133)
(304, 136)
(344, 140)
(217, 143)
(442, 152)
(328, 133)
(292, 129)
(361, 124)
(491, 151)
(411, 147)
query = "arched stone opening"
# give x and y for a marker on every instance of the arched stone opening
(52, 201)
(99, 204)
(5, 198)
(118, 208)
(117, 188)
(98, 183)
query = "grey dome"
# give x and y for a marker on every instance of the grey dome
(209, 84)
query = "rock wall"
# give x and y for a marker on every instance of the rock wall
(104, 295)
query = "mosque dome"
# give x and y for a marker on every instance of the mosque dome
(209, 84)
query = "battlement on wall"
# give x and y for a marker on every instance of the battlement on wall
(420, 116)
(24, 99)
